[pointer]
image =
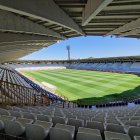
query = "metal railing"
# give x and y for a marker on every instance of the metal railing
(13, 94)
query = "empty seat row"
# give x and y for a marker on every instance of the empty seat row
(21, 123)
(114, 121)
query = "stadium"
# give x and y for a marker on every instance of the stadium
(72, 78)
(75, 98)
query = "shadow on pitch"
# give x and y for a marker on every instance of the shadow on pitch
(123, 96)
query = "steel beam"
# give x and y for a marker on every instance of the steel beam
(13, 55)
(27, 42)
(127, 27)
(45, 10)
(20, 46)
(92, 8)
(15, 23)
(11, 37)
(132, 32)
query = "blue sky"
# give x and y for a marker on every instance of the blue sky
(90, 46)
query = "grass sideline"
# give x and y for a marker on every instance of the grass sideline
(90, 87)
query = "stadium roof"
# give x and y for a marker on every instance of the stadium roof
(29, 25)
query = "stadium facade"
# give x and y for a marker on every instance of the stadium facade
(130, 64)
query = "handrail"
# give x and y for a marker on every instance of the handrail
(16, 94)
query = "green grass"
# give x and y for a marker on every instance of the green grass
(90, 87)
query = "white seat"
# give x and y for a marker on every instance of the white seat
(44, 118)
(36, 132)
(16, 109)
(88, 136)
(115, 128)
(95, 125)
(15, 114)
(4, 117)
(25, 110)
(69, 128)
(45, 124)
(9, 107)
(112, 135)
(24, 121)
(1, 125)
(136, 137)
(84, 118)
(112, 121)
(13, 128)
(71, 116)
(60, 120)
(4, 112)
(133, 131)
(59, 115)
(29, 115)
(88, 130)
(135, 118)
(36, 111)
(61, 134)
(76, 122)
(47, 113)
(98, 119)
(132, 122)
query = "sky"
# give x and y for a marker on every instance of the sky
(89, 46)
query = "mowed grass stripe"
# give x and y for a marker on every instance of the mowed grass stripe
(94, 73)
(79, 81)
(91, 76)
(68, 81)
(106, 74)
(71, 84)
(94, 85)
(85, 78)
(58, 83)
(91, 90)
(128, 76)
(95, 82)
(85, 74)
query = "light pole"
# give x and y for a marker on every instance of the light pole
(68, 49)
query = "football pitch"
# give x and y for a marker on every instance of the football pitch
(89, 87)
